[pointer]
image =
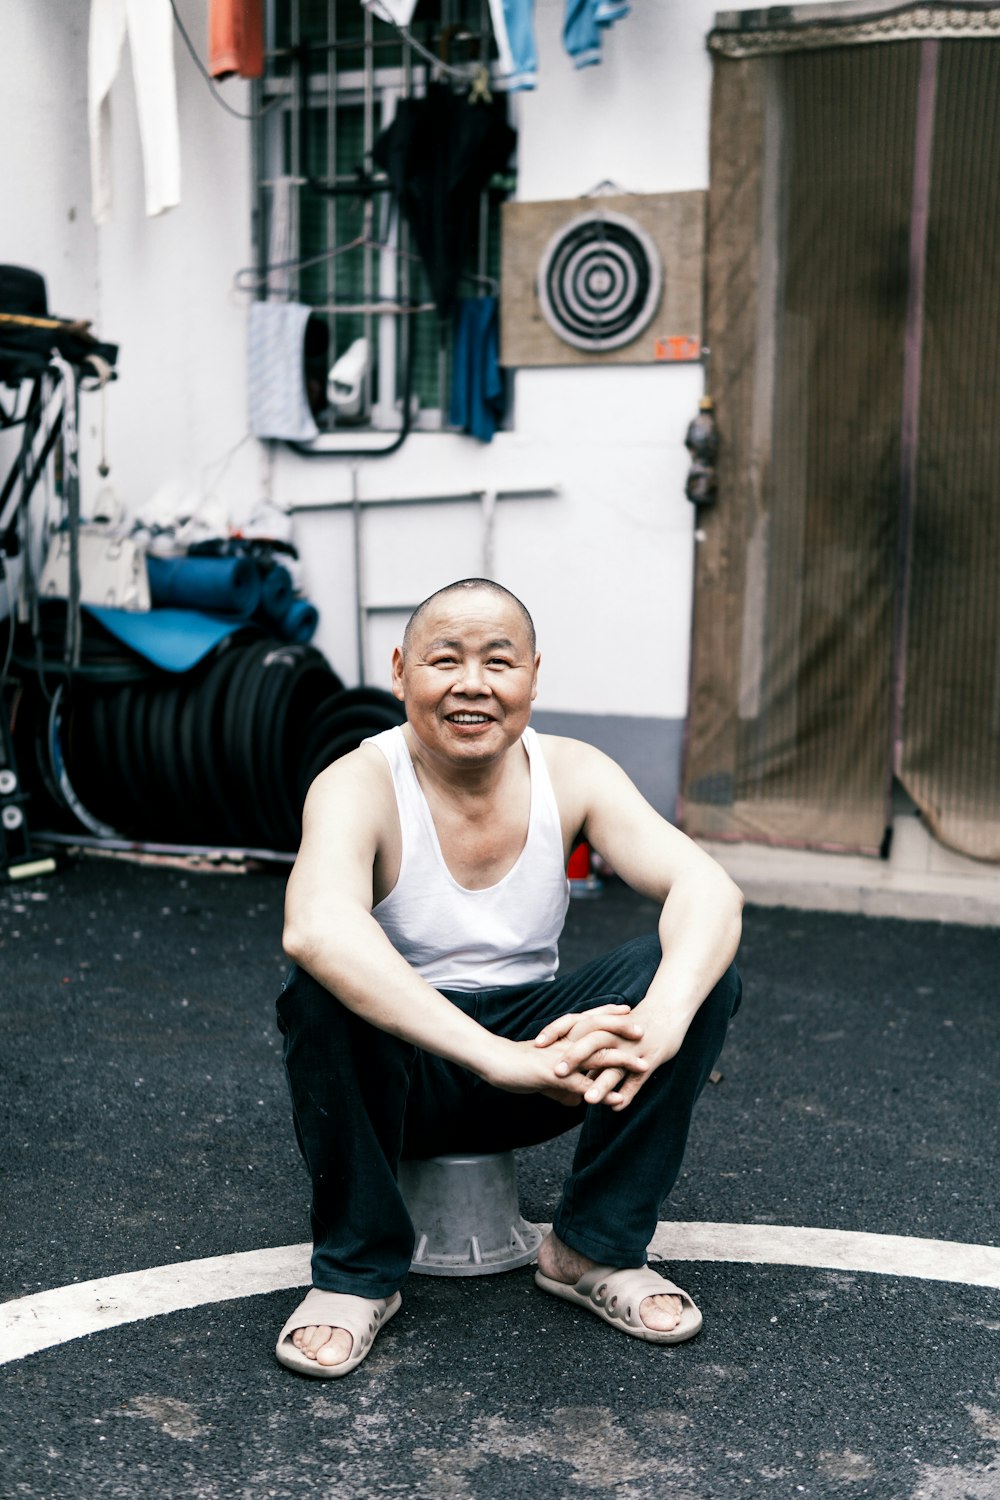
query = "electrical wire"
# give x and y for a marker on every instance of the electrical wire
(225, 461)
(462, 73)
(256, 114)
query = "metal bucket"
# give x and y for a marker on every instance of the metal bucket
(465, 1214)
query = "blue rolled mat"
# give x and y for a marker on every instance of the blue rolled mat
(276, 592)
(298, 624)
(230, 585)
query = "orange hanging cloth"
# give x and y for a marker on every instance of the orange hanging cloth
(235, 38)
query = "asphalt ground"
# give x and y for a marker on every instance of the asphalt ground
(146, 1123)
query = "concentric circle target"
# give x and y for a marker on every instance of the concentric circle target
(599, 281)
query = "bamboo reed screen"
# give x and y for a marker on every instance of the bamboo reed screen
(845, 602)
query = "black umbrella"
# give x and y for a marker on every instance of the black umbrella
(439, 153)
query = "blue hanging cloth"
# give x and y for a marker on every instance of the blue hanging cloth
(583, 25)
(476, 381)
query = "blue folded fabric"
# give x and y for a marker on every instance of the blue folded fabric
(174, 639)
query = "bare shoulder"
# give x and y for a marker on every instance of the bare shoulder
(573, 763)
(580, 775)
(353, 794)
(561, 751)
(347, 822)
(599, 800)
(365, 766)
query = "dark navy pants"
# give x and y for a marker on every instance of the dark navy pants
(362, 1099)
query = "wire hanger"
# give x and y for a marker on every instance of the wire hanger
(253, 278)
(441, 63)
(490, 283)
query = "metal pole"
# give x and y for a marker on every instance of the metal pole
(912, 362)
(359, 603)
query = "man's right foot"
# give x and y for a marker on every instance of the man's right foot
(338, 1344)
(327, 1346)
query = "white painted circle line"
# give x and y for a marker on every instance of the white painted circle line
(830, 1250)
(44, 1319)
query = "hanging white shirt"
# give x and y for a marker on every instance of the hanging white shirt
(149, 27)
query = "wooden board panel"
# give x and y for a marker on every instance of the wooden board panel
(676, 224)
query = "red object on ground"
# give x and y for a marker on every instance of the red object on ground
(579, 863)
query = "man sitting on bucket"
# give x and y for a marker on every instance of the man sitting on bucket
(423, 1016)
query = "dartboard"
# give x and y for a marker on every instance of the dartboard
(599, 281)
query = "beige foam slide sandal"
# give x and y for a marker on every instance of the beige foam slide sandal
(362, 1317)
(616, 1296)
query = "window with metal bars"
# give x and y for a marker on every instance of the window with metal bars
(327, 232)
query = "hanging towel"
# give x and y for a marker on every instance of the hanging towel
(149, 26)
(583, 23)
(582, 33)
(279, 403)
(476, 380)
(282, 240)
(235, 38)
(514, 32)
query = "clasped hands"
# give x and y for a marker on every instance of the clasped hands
(590, 1057)
(600, 1056)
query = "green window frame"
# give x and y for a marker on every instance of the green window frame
(334, 74)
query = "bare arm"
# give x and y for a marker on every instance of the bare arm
(330, 933)
(700, 918)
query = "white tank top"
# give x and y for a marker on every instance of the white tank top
(459, 939)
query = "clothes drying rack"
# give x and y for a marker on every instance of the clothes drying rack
(44, 364)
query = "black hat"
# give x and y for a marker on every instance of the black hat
(23, 292)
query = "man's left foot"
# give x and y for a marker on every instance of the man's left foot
(624, 1297)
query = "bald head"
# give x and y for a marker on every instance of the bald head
(467, 585)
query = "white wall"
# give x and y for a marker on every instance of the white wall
(159, 287)
(606, 568)
(639, 119)
(44, 166)
(165, 291)
(45, 220)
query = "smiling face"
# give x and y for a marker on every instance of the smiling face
(468, 676)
